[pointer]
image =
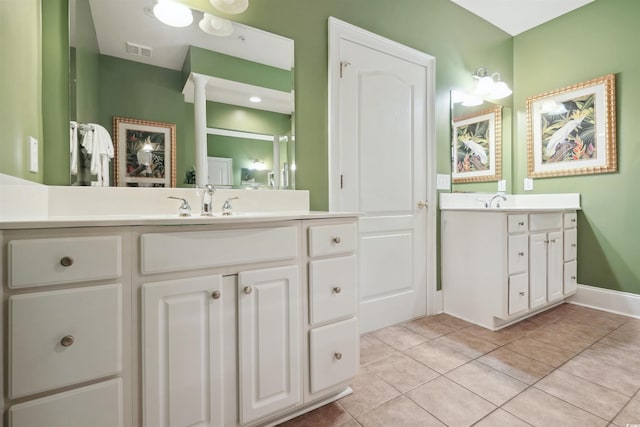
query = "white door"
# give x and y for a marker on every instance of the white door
(380, 163)
(220, 171)
(269, 323)
(182, 323)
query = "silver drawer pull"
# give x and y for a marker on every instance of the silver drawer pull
(521, 293)
(338, 356)
(67, 340)
(337, 290)
(216, 294)
(247, 290)
(336, 240)
(66, 261)
(520, 253)
(573, 245)
(521, 223)
(573, 220)
(573, 277)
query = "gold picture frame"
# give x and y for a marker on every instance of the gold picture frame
(476, 148)
(145, 153)
(572, 130)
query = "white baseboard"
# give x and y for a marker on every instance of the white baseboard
(607, 300)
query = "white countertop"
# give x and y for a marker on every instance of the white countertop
(162, 219)
(513, 203)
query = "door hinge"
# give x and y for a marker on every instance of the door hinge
(343, 65)
(341, 182)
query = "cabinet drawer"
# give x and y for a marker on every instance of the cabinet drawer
(570, 220)
(59, 338)
(517, 223)
(570, 244)
(570, 277)
(334, 354)
(164, 252)
(518, 253)
(332, 289)
(545, 221)
(39, 262)
(98, 405)
(332, 239)
(518, 293)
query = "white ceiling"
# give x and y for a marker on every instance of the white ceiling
(517, 16)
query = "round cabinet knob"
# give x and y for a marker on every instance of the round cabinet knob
(521, 223)
(522, 293)
(66, 261)
(67, 340)
(338, 356)
(336, 240)
(573, 220)
(337, 290)
(521, 253)
(247, 290)
(573, 277)
(216, 294)
(573, 245)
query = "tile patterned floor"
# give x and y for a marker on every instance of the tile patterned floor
(569, 366)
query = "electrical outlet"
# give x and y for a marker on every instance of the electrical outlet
(502, 185)
(33, 155)
(443, 182)
(528, 184)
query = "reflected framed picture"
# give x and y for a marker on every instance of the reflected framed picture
(572, 130)
(145, 153)
(477, 146)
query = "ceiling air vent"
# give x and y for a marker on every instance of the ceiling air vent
(138, 49)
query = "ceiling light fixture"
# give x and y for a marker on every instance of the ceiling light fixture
(231, 7)
(216, 26)
(172, 13)
(490, 86)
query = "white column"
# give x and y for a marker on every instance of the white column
(200, 113)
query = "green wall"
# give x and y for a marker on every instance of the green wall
(20, 86)
(595, 40)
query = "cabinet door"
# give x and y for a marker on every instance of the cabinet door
(537, 269)
(518, 300)
(555, 274)
(181, 352)
(269, 322)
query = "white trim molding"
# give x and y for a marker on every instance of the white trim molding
(618, 302)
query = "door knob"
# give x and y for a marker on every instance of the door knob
(216, 294)
(423, 204)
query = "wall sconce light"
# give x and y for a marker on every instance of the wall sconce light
(216, 26)
(172, 13)
(231, 7)
(490, 86)
(258, 165)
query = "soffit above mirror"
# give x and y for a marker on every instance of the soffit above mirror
(120, 21)
(517, 16)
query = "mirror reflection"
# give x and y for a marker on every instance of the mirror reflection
(125, 63)
(463, 110)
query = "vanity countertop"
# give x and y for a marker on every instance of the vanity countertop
(477, 202)
(166, 219)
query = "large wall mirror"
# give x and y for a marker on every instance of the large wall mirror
(125, 63)
(472, 119)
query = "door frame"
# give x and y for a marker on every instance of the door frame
(340, 30)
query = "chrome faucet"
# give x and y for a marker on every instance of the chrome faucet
(207, 200)
(489, 204)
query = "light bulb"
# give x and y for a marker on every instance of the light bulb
(173, 14)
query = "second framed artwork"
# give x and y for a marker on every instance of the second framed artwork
(145, 153)
(477, 146)
(572, 130)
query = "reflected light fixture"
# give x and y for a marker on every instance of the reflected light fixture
(215, 25)
(490, 86)
(258, 165)
(459, 97)
(553, 107)
(231, 7)
(255, 99)
(172, 13)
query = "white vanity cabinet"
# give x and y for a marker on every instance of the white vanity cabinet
(67, 351)
(501, 266)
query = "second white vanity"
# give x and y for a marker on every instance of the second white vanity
(503, 264)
